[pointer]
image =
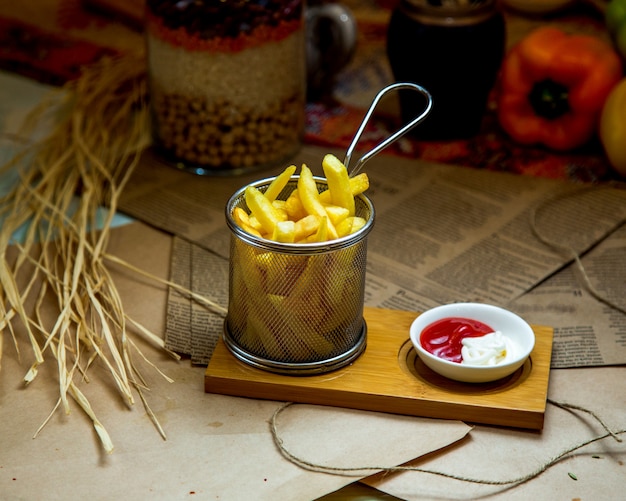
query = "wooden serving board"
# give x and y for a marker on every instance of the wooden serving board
(389, 377)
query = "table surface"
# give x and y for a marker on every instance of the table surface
(66, 449)
(49, 40)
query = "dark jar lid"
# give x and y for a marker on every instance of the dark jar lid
(449, 12)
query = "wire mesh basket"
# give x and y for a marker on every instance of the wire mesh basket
(296, 308)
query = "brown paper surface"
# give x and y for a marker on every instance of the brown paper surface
(220, 447)
(499, 454)
(217, 447)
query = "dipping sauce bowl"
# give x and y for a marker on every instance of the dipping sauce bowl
(513, 328)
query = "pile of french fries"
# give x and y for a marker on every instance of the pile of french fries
(292, 307)
(295, 308)
(306, 215)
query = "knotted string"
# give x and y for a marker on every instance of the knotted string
(358, 470)
(568, 251)
(615, 434)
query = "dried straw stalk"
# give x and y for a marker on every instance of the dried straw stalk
(101, 127)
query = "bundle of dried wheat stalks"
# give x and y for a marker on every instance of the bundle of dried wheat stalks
(100, 129)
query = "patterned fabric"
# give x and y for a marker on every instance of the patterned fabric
(49, 40)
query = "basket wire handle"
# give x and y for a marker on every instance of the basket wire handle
(395, 135)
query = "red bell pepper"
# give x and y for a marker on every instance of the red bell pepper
(553, 86)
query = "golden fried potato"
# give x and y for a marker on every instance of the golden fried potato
(306, 215)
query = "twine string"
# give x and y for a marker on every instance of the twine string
(568, 251)
(564, 405)
(358, 470)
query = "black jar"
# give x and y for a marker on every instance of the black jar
(454, 49)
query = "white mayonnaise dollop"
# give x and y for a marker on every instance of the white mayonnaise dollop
(490, 349)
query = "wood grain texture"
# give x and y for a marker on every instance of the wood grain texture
(389, 377)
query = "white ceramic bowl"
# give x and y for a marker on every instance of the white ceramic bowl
(510, 324)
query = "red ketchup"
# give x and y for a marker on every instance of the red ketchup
(443, 337)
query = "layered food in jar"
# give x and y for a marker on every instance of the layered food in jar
(227, 81)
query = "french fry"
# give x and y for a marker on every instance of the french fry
(279, 205)
(338, 318)
(306, 338)
(265, 335)
(263, 209)
(306, 226)
(242, 219)
(350, 225)
(358, 184)
(284, 231)
(278, 280)
(338, 183)
(306, 280)
(254, 278)
(294, 208)
(253, 231)
(237, 282)
(307, 189)
(321, 235)
(279, 183)
(254, 222)
(241, 216)
(336, 214)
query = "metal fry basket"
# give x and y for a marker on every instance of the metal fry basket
(296, 308)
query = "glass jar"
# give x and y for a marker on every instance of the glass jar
(227, 82)
(454, 49)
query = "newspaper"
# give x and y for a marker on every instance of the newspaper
(191, 328)
(442, 234)
(589, 330)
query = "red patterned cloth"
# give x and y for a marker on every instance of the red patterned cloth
(49, 40)
(44, 56)
(334, 126)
